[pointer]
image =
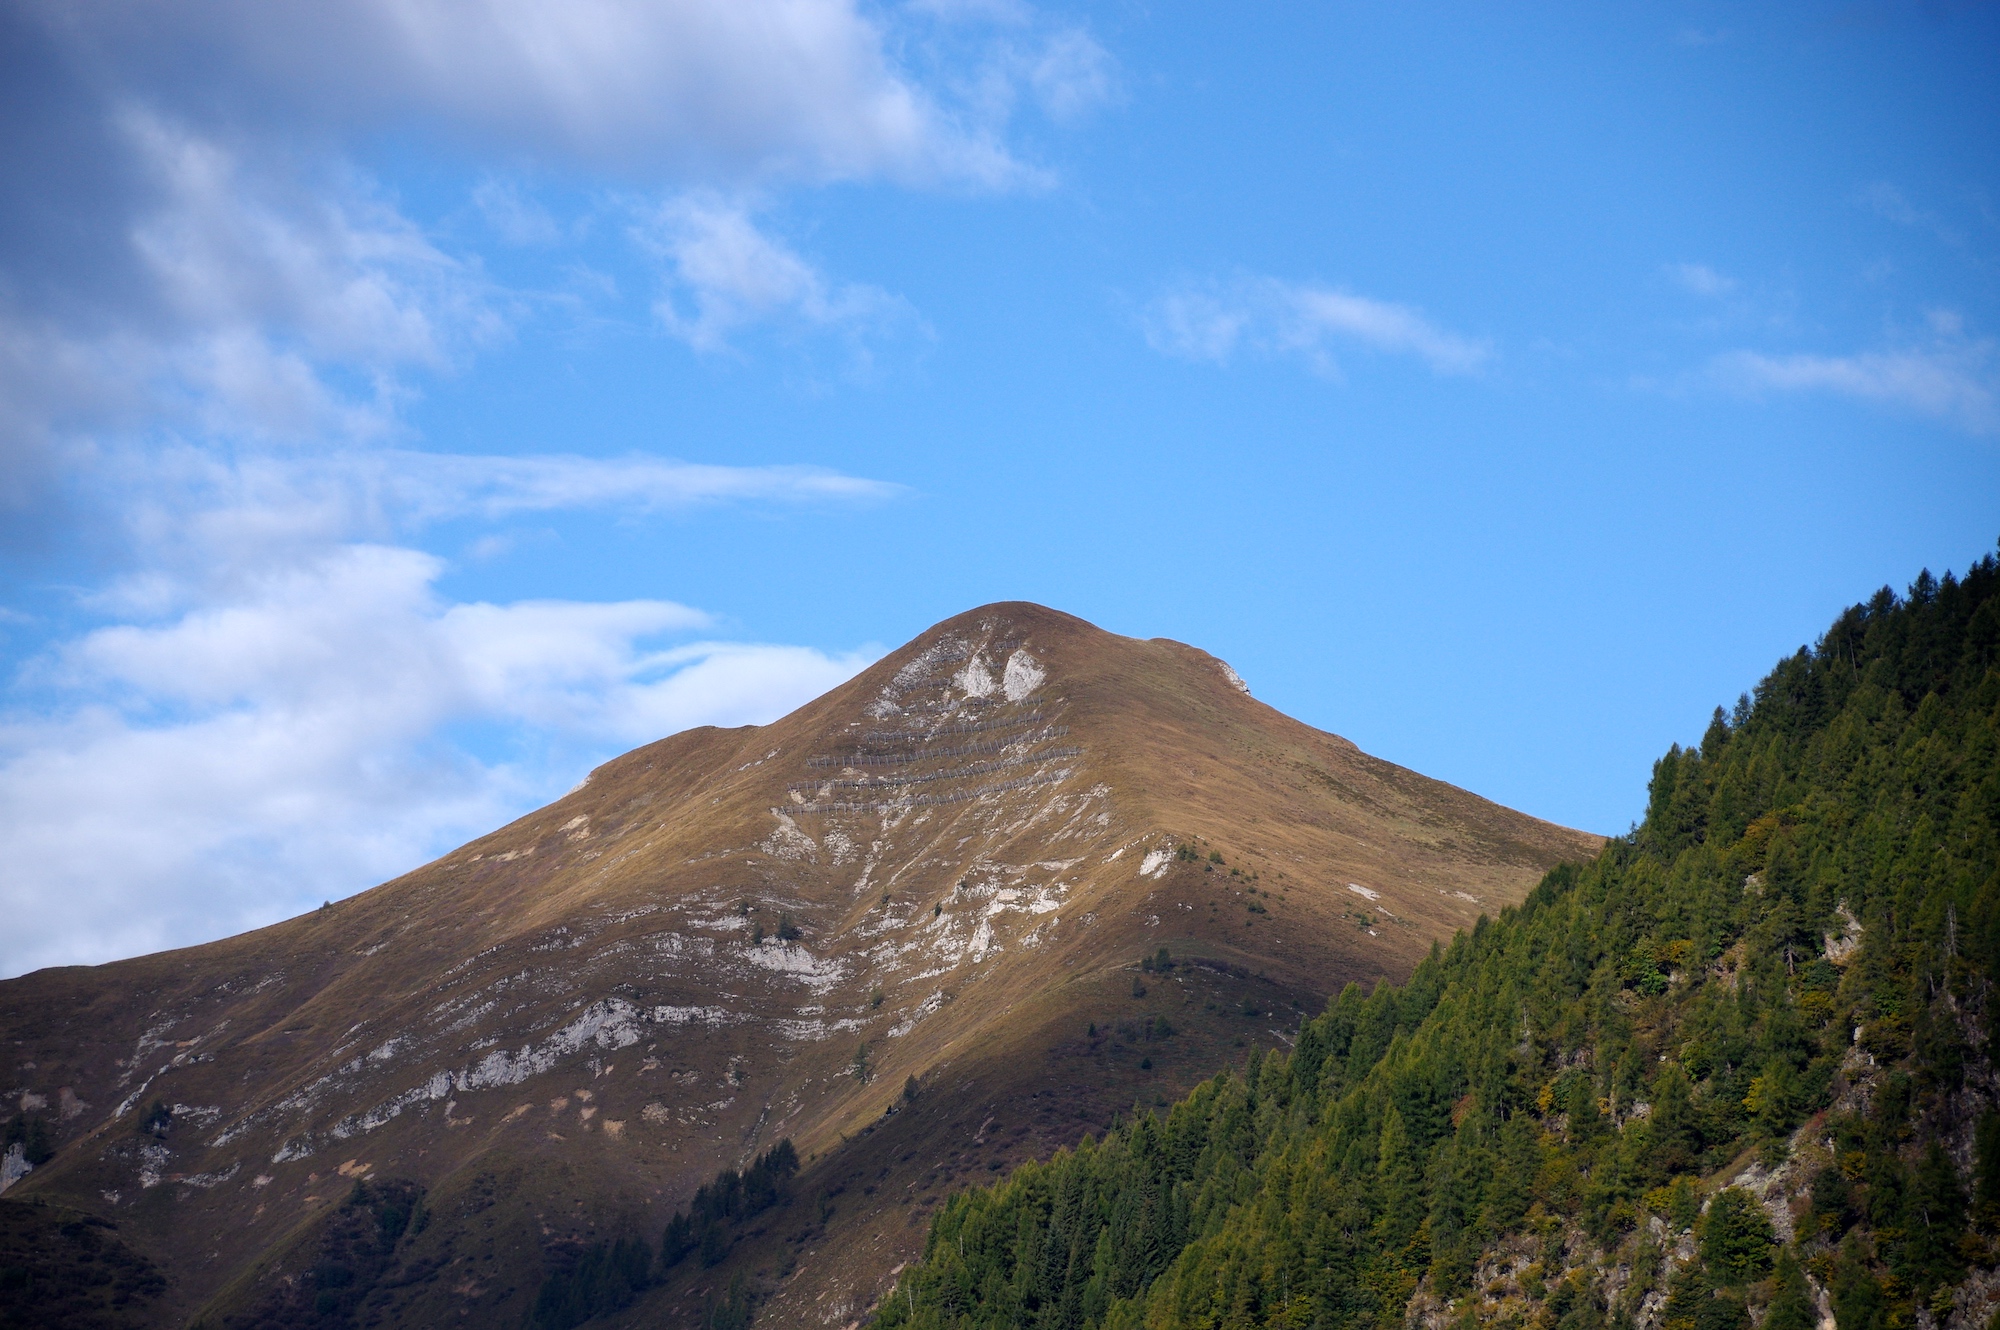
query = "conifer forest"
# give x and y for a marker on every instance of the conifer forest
(1737, 1070)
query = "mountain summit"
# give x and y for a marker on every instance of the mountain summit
(1015, 877)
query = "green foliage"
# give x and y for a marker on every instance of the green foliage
(594, 1280)
(30, 1131)
(1693, 1303)
(1678, 1203)
(1638, 1022)
(787, 930)
(353, 1255)
(705, 1227)
(1737, 1243)
(732, 1310)
(157, 1120)
(62, 1268)
(1792, 1306)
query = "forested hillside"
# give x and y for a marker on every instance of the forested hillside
(1737, 1069)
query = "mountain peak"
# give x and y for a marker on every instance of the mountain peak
(1023, 868)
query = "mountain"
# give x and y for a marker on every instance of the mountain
(1740, 1068)
(793, 983)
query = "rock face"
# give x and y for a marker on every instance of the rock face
(915, 927)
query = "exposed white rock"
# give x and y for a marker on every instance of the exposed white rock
(612, 1023)
(694, 1016)
(916, 1014)
(975, 679)
(208, 1180)
(818, 973)
(788, 842)
(153, 1159)
(1840, 947)
(14, 1166)
(1024, 675)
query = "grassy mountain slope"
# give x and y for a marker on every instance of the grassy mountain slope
(1738, 1068)
(451, 1099)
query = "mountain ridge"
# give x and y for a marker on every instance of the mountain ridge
(564, 1027)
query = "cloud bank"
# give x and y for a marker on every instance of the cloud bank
(708, 89)
(186, 242)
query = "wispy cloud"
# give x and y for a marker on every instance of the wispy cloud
(1262, 314)
(1953, 377)
(497, 487)
(1072, 75)
(725, 273)
(515, 216)
(198, 522)
(1701, 280)
(256, 307)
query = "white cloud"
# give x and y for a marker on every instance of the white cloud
(290, 741)
(1954, 378)
(514, 216)
(1275, 317)
(268, 716)
(494, 487)
(974, 11)
(725, 274)
(1197, 325)
(185, 250)
(261, 309)
(1893, 205)
(342, 272)
(703, 88)
(1702, 280)
(1889, 203)
(1072, 75)
(199, 523)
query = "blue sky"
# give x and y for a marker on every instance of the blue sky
(405, 406)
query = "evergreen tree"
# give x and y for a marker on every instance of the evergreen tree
(1736, 1238)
